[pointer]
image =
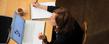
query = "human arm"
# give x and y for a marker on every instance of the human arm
(48, 8)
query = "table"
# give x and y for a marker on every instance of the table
(9, 6)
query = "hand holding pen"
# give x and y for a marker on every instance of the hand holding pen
(36, 4)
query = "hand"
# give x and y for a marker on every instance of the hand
(41, 36)
(35, 4)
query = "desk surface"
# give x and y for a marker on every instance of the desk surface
(7, 8)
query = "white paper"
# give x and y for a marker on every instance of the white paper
(32, 29)
(37, 13)
(48, 3)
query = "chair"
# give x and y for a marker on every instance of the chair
(5, 23)
(85, 27)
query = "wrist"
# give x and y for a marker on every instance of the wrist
(44, 39)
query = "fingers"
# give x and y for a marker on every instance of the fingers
(35, 4)
(41, 36)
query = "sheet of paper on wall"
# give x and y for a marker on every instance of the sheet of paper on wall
(32, 29)
(37, 13)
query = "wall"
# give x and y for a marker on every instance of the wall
(96, 12)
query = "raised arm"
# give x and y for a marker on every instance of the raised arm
(48, 8)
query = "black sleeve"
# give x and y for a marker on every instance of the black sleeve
(72, 36)
(51, 8)
(59, 40)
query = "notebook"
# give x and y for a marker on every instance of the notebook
(37, 13)
(26, 31)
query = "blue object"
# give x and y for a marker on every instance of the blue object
(17, 27)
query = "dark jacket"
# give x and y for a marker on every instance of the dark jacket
(70, 36)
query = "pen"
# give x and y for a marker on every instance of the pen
(36, 0)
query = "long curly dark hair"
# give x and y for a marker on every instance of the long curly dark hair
(65, 20)
(68, 26)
